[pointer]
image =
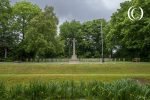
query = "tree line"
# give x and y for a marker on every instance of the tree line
(27, 31)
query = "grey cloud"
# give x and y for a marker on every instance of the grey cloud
(81, 10)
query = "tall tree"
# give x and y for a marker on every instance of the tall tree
(132, 37)
(90, 44)
(7, 38)
(23, 12)
(41, 34)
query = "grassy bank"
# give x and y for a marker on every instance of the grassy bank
(13, 73)
(48, 68)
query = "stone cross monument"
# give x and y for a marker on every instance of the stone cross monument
(74, 56)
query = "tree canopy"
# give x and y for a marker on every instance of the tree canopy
(27, 31)
(23, 12)
(41, 34)
(132, 37)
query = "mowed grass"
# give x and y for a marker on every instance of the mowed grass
(25, 72)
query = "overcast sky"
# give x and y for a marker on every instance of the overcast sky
(81, 10)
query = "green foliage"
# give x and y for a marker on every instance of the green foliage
(90, 42)
(131, 36)
(68, 31)
(2, 90)
(88, 36)
(7, 37)
(23, 12)
(41, 35)
(119, 90)
(26, 31)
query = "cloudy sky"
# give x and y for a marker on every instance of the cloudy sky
(81, 10)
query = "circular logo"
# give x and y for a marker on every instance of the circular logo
(131, 12)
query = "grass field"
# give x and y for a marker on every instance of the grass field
(13, 73)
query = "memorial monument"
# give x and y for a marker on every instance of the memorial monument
(74, 56)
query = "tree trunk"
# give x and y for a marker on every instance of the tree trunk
(5, 53)
(23, 28)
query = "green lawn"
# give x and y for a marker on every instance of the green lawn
(25, 72)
